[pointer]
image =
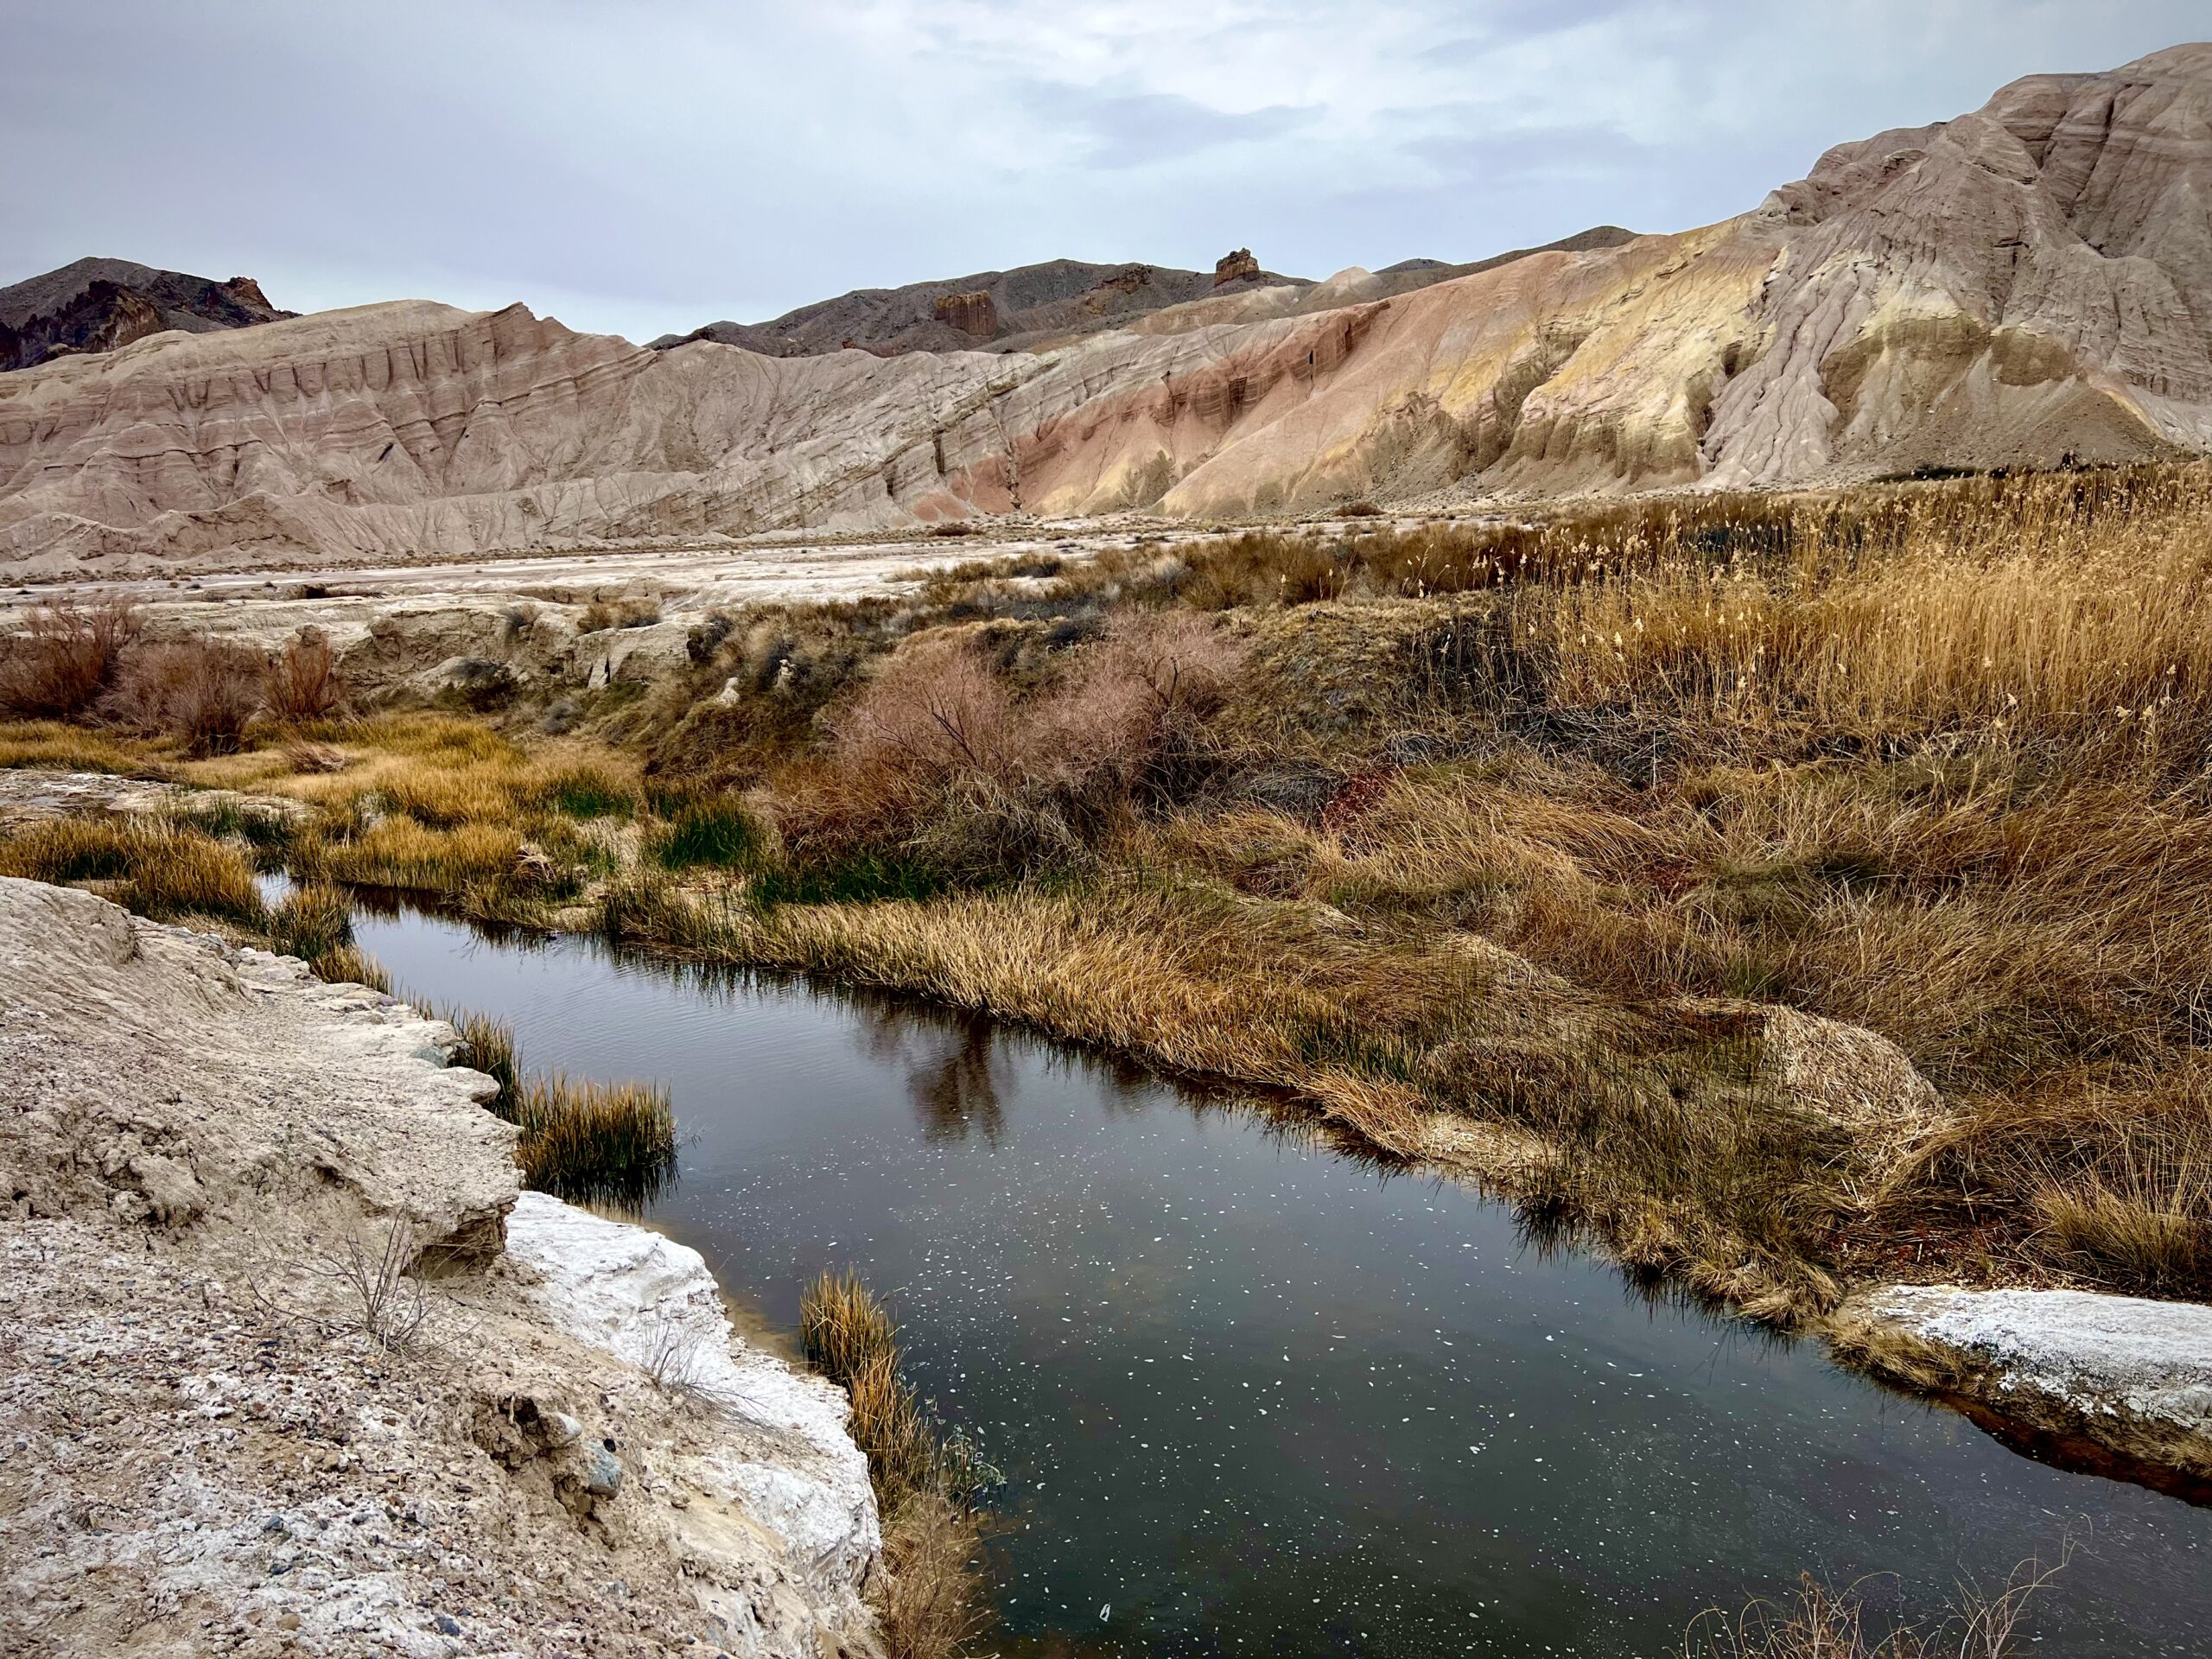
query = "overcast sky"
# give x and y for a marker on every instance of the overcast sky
(649, 166)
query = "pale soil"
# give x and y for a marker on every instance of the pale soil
(203, 1451)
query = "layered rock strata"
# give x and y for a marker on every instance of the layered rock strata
(2031, 284)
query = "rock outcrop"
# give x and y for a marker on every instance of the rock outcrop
(2122, 1379)
(2024, 285)
(96, 305)
(230, 1424)
(1237, 266)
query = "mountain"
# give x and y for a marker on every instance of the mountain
(96, 305)
(2027, 281)
(998, 310)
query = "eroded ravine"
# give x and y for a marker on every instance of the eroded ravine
(1252, 1396)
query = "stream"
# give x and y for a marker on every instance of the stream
(1254, 1395)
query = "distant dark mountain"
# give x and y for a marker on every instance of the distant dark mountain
(990, 311)
(1038, 305)
(96, 305)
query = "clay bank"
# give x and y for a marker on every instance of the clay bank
(288, 1364)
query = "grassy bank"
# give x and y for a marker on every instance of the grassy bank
(1497, 844)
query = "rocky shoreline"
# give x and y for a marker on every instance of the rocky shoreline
(230, 1424)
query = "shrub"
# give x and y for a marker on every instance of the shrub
(601, 614)
(201, 691)
(302, 682)
(67, 657)
(935, 767)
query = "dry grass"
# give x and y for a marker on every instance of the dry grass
(52, 745)
(164, 871)
(1820, 1623)
(926, 1484)
(593, 1142)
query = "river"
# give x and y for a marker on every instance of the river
(1254, 1395)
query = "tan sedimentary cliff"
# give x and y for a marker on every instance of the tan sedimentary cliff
(2020, 284)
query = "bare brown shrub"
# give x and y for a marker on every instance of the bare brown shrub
(302, 682)
(66, 658)
(936, 760)
(203, 692)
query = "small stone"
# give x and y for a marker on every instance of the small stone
(288, 1621)
(602, 1473)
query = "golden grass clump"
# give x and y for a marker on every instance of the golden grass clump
(161, 870)
(55, 746)
(594, 1141)
(926, 1484)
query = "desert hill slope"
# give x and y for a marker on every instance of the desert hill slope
(1002, 310)
(96, 305)
(2025, 283)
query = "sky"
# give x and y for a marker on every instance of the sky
(646, 167)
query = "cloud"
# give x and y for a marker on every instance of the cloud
(648, 166)
(1116, 130)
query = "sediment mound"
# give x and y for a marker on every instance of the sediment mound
(2030, 284)
(235, 1426)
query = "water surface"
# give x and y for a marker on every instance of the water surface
(1253, 1395)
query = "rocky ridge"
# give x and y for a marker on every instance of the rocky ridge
(210, 1443)
(2024, 285)
(1009, 310)
(97, 305)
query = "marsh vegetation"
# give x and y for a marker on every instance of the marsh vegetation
(1513, 826)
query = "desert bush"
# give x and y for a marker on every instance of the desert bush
(302, 682)
(370, 1270)
(937, 767)
(203, 692)
(602, 613)
(67, 658)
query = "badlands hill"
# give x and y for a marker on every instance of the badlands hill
(1034, 307)
(2026, 282)
(1000, 310)
(96, 305)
